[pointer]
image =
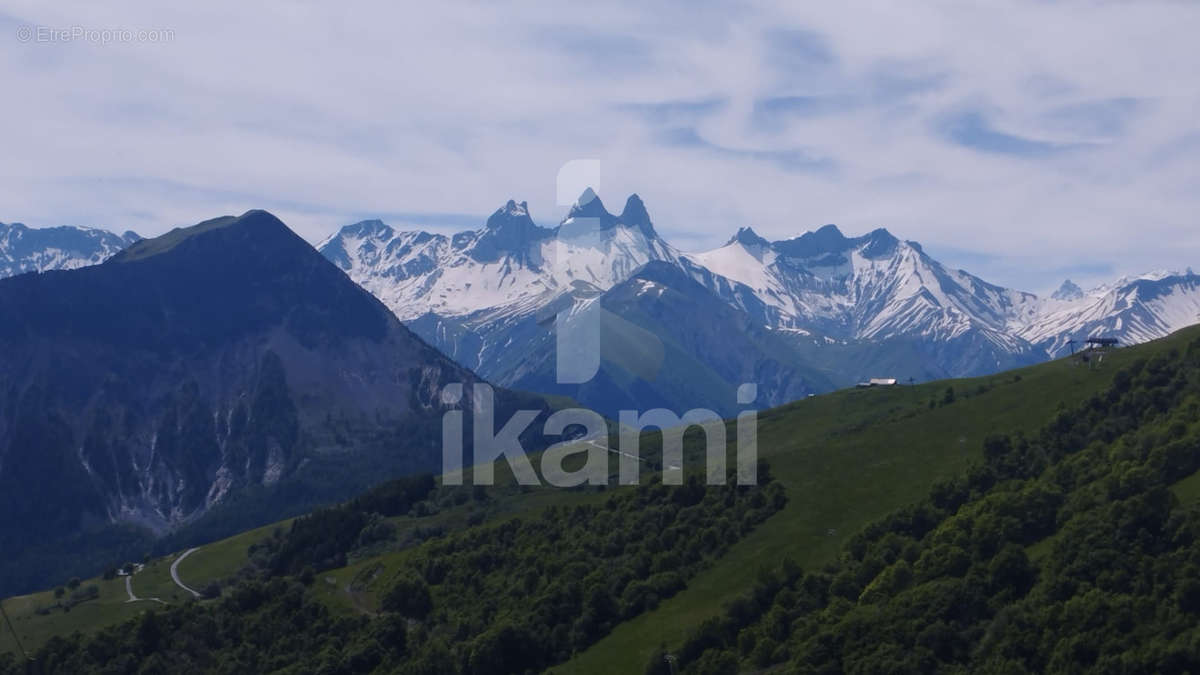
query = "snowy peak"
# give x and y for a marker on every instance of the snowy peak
(369, 228)
(877, 244)
(747, 237)
(828, 239)
(511, 267)
(595, 249)
(635, 215)
(1067, 292)
(1131, 309)
(512, 208)
(509, 231)
(27, 249)
(870, 287)
(469, 292)
(588, 214)
(1122, 282)
(589, 207)
(511, 217)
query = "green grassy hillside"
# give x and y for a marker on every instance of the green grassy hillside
(848, 458)
(845, 459)
(39, 616)
(1075, 548)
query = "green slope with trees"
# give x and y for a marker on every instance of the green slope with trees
(1103, 495)
(511, 597)
(843, 461)
(849, 458)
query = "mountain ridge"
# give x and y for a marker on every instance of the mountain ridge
(476, 293)
(868, 293)
(28, 249)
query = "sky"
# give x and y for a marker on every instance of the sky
(1025, 142)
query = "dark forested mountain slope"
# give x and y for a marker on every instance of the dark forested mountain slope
(191, 367)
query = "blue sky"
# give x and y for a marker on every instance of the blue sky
(1025, 143)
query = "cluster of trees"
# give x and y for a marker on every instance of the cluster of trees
(1064, 552)
(70, 595)
(509, 597)
(322, 539)
(524, 594)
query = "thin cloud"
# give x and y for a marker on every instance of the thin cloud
(685, 111)
(794, 159)
(973, 130)
(773, 112)
(1018, 130)
(799, 49)
(1103, 119)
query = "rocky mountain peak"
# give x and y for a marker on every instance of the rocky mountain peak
(746, 236)
(1068, 291)
(635, 215)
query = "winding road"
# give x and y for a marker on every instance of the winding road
(129, 590)
(175, 571)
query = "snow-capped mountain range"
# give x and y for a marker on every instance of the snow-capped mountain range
(796, 316)
(873, 287)
(26, 249)
(1132, 309)
(843, 304)
(511, 265)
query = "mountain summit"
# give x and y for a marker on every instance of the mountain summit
(510, 216)
(746, 236)
(509, 230)
(194, 367)
(827, 239)
(1068, 291)
(511, 267)
(635, 215)
(589, 206)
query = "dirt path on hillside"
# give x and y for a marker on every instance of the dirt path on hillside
(129, 590)
(175, 572)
